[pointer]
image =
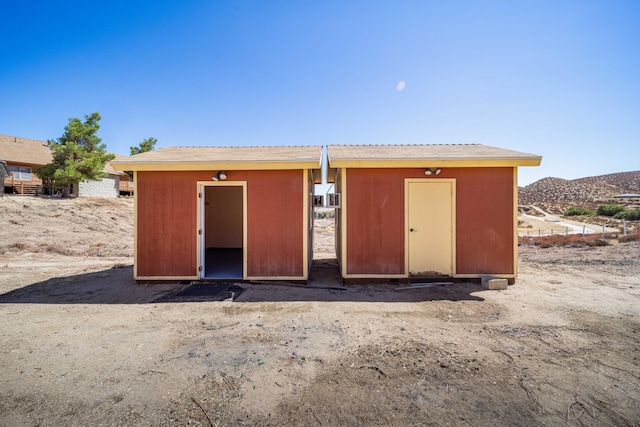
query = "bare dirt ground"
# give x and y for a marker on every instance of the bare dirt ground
(82, 344)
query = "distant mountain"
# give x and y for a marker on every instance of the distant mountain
(581, 189)
(629, 182)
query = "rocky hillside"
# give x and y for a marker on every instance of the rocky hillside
(629, 182)
(578, 190)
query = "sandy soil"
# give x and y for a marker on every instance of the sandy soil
(82, 344)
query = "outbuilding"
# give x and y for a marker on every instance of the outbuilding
(214, 213)
(415, 212)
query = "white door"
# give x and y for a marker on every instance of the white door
(430, 220)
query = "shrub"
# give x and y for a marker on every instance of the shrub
(324, 214)
(630, 238)
(633, 215)
(572, 241)
(574, 211)
(609, 210)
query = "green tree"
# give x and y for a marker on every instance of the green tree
(78, 155)
(146, 145)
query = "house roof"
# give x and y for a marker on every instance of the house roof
(451, 155)
(15, 149)
(231, 158)
(108, 168)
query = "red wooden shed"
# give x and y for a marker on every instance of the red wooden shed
(419, 211)
(213, 213)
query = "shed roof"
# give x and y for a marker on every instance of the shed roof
(231, 158)
(451, 155)
(15, 149)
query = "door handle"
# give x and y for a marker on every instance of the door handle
(412, 229)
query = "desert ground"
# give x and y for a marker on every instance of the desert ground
(82, 344)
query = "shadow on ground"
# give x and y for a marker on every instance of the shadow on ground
(117, 286)
(112, 286)
(361, 293)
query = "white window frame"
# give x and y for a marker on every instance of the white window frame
(21, 173)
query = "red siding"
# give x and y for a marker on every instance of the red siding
(166, 227)
(375, 221)
(484, 220)
(167, 215)
(484, 226)
(275, 228)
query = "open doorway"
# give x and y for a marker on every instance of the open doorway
(222, 235)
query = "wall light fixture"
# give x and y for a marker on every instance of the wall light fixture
(220, 176)
(432, 171)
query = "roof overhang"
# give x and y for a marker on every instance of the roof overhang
(432, 162)
(222, 158)
(420, 156)
(207, 166)
(331, 175)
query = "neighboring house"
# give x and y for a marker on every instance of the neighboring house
(115, 184)
(211, 213)
(419, 212)
(23, 156)
(4, 172)
(125, 187)
(108, 186)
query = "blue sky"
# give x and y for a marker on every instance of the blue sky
(556, 78)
